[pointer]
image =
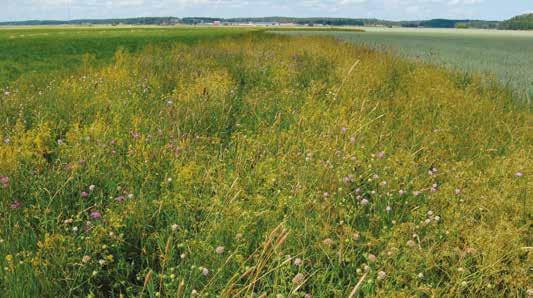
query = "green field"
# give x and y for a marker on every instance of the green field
(42, 50)
(506, 55)
(196, 162)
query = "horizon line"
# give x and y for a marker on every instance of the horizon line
(230, 18)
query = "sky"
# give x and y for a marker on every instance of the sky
(12, 10)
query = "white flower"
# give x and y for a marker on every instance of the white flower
(86, 259)
(298, 279)
(364, 202)
(205, 271)
(388, 209)
(219, 250)
(382, 275)
(92, 187)
(297, 262)
(174, 227)
(420, 275)
(328, 241)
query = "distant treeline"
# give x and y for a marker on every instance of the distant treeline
(436, 23)
(523, 22)
(443, 23)
(305, 21)
(128, 21)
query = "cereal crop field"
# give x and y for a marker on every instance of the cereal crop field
(504, 55)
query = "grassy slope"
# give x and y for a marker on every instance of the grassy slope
(247, 144)
(503, 54)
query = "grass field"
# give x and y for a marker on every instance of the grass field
(43, 50)
(505, 55)
(259, 165)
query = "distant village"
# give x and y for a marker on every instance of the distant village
(259, 24)
(203, 22)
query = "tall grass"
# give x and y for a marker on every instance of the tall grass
(505, 56)
(262, 165)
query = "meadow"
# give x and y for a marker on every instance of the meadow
(259, 165)
(505, 55)
(49, 51)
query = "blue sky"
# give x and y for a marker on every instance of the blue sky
(383, 9)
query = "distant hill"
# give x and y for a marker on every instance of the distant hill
(127, 21)
(521, 22)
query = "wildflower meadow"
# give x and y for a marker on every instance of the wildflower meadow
(263, 165)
